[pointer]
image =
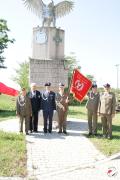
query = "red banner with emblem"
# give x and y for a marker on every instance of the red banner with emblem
(8, 90)
(80, 85)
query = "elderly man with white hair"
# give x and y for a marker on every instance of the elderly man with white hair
(35, 97)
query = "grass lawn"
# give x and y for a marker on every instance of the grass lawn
(7, 107)
(78, 112)
(108, 147)
(12, 145)
(12, 154)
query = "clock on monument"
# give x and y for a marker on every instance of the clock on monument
(40, 37)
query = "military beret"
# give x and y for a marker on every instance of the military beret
(61, 84)
(106, 85)
(48, 84)
(94, 86)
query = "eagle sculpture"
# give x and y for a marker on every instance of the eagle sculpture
(49, 13)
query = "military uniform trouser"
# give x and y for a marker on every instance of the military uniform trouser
(92, 122)
(34, 121)
(62, 117)
(48, 116)
(107, 125)
(27, 119)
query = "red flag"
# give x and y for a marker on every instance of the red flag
(80, 85)
(8, 90)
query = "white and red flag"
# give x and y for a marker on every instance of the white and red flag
(4, 89)
(80, 85)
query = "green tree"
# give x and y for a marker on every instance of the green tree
(22, 75)
(71, 64)
(91, 77)
(4, 40)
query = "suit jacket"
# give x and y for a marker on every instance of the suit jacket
(93, 101)
(61, 101)
(35, 100)
(48, 101)
(23, 106)
(107, 103)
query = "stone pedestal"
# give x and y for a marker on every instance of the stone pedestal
(48, 43)
(47, 62)
(42, 71)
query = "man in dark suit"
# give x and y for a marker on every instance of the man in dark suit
(48, 106)
(35, 97)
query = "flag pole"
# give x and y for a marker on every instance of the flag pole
(71, 82)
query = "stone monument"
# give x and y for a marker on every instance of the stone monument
(47, 61)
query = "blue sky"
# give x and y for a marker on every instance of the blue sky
(92, 32)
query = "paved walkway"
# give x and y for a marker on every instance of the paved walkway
(55, 157)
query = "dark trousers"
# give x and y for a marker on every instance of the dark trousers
(47, 115)
(34, 121)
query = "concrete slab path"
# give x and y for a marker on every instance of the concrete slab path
(58, 156)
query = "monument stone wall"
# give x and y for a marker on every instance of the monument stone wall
(53, 71)
(47, 61)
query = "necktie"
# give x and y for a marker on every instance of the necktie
(33, 93)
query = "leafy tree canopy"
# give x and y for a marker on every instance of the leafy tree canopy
(22, 75)
(71, 63)
(91, 77)
(4, 40)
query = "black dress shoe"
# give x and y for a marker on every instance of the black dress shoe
(95, 134)
(59, 132)
(65, 132)
(90, 134)
(45, 131)
(27, 133)
(36, 131)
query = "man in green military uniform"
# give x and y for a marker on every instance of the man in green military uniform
(62, 101)
(107, 110)
(23, 110)
(92, 108)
